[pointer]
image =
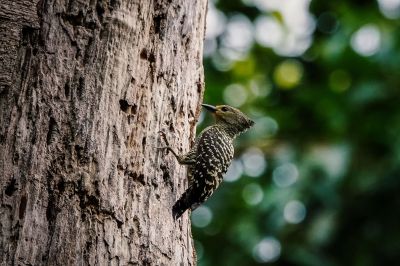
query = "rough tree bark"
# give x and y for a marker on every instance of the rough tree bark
(85, 87)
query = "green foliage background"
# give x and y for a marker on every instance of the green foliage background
(316, 181)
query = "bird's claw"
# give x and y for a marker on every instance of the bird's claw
(163, 136)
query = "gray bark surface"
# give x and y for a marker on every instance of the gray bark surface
(85, 87)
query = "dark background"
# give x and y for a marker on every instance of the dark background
(317, 180)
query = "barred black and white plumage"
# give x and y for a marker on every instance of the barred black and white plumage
(210, 157)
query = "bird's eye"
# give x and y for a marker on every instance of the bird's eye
(224, 109)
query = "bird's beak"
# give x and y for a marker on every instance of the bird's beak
(210, 108)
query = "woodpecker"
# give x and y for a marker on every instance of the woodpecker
(210, 157)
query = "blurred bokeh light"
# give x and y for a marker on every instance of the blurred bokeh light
(316, 181)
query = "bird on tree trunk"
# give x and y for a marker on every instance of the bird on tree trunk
(210, 157)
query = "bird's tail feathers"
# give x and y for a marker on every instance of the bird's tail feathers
(179, 208)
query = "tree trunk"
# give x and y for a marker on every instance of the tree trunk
(85, 87)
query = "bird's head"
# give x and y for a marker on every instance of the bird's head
(230, 116)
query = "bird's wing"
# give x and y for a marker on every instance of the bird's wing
(214, 154)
